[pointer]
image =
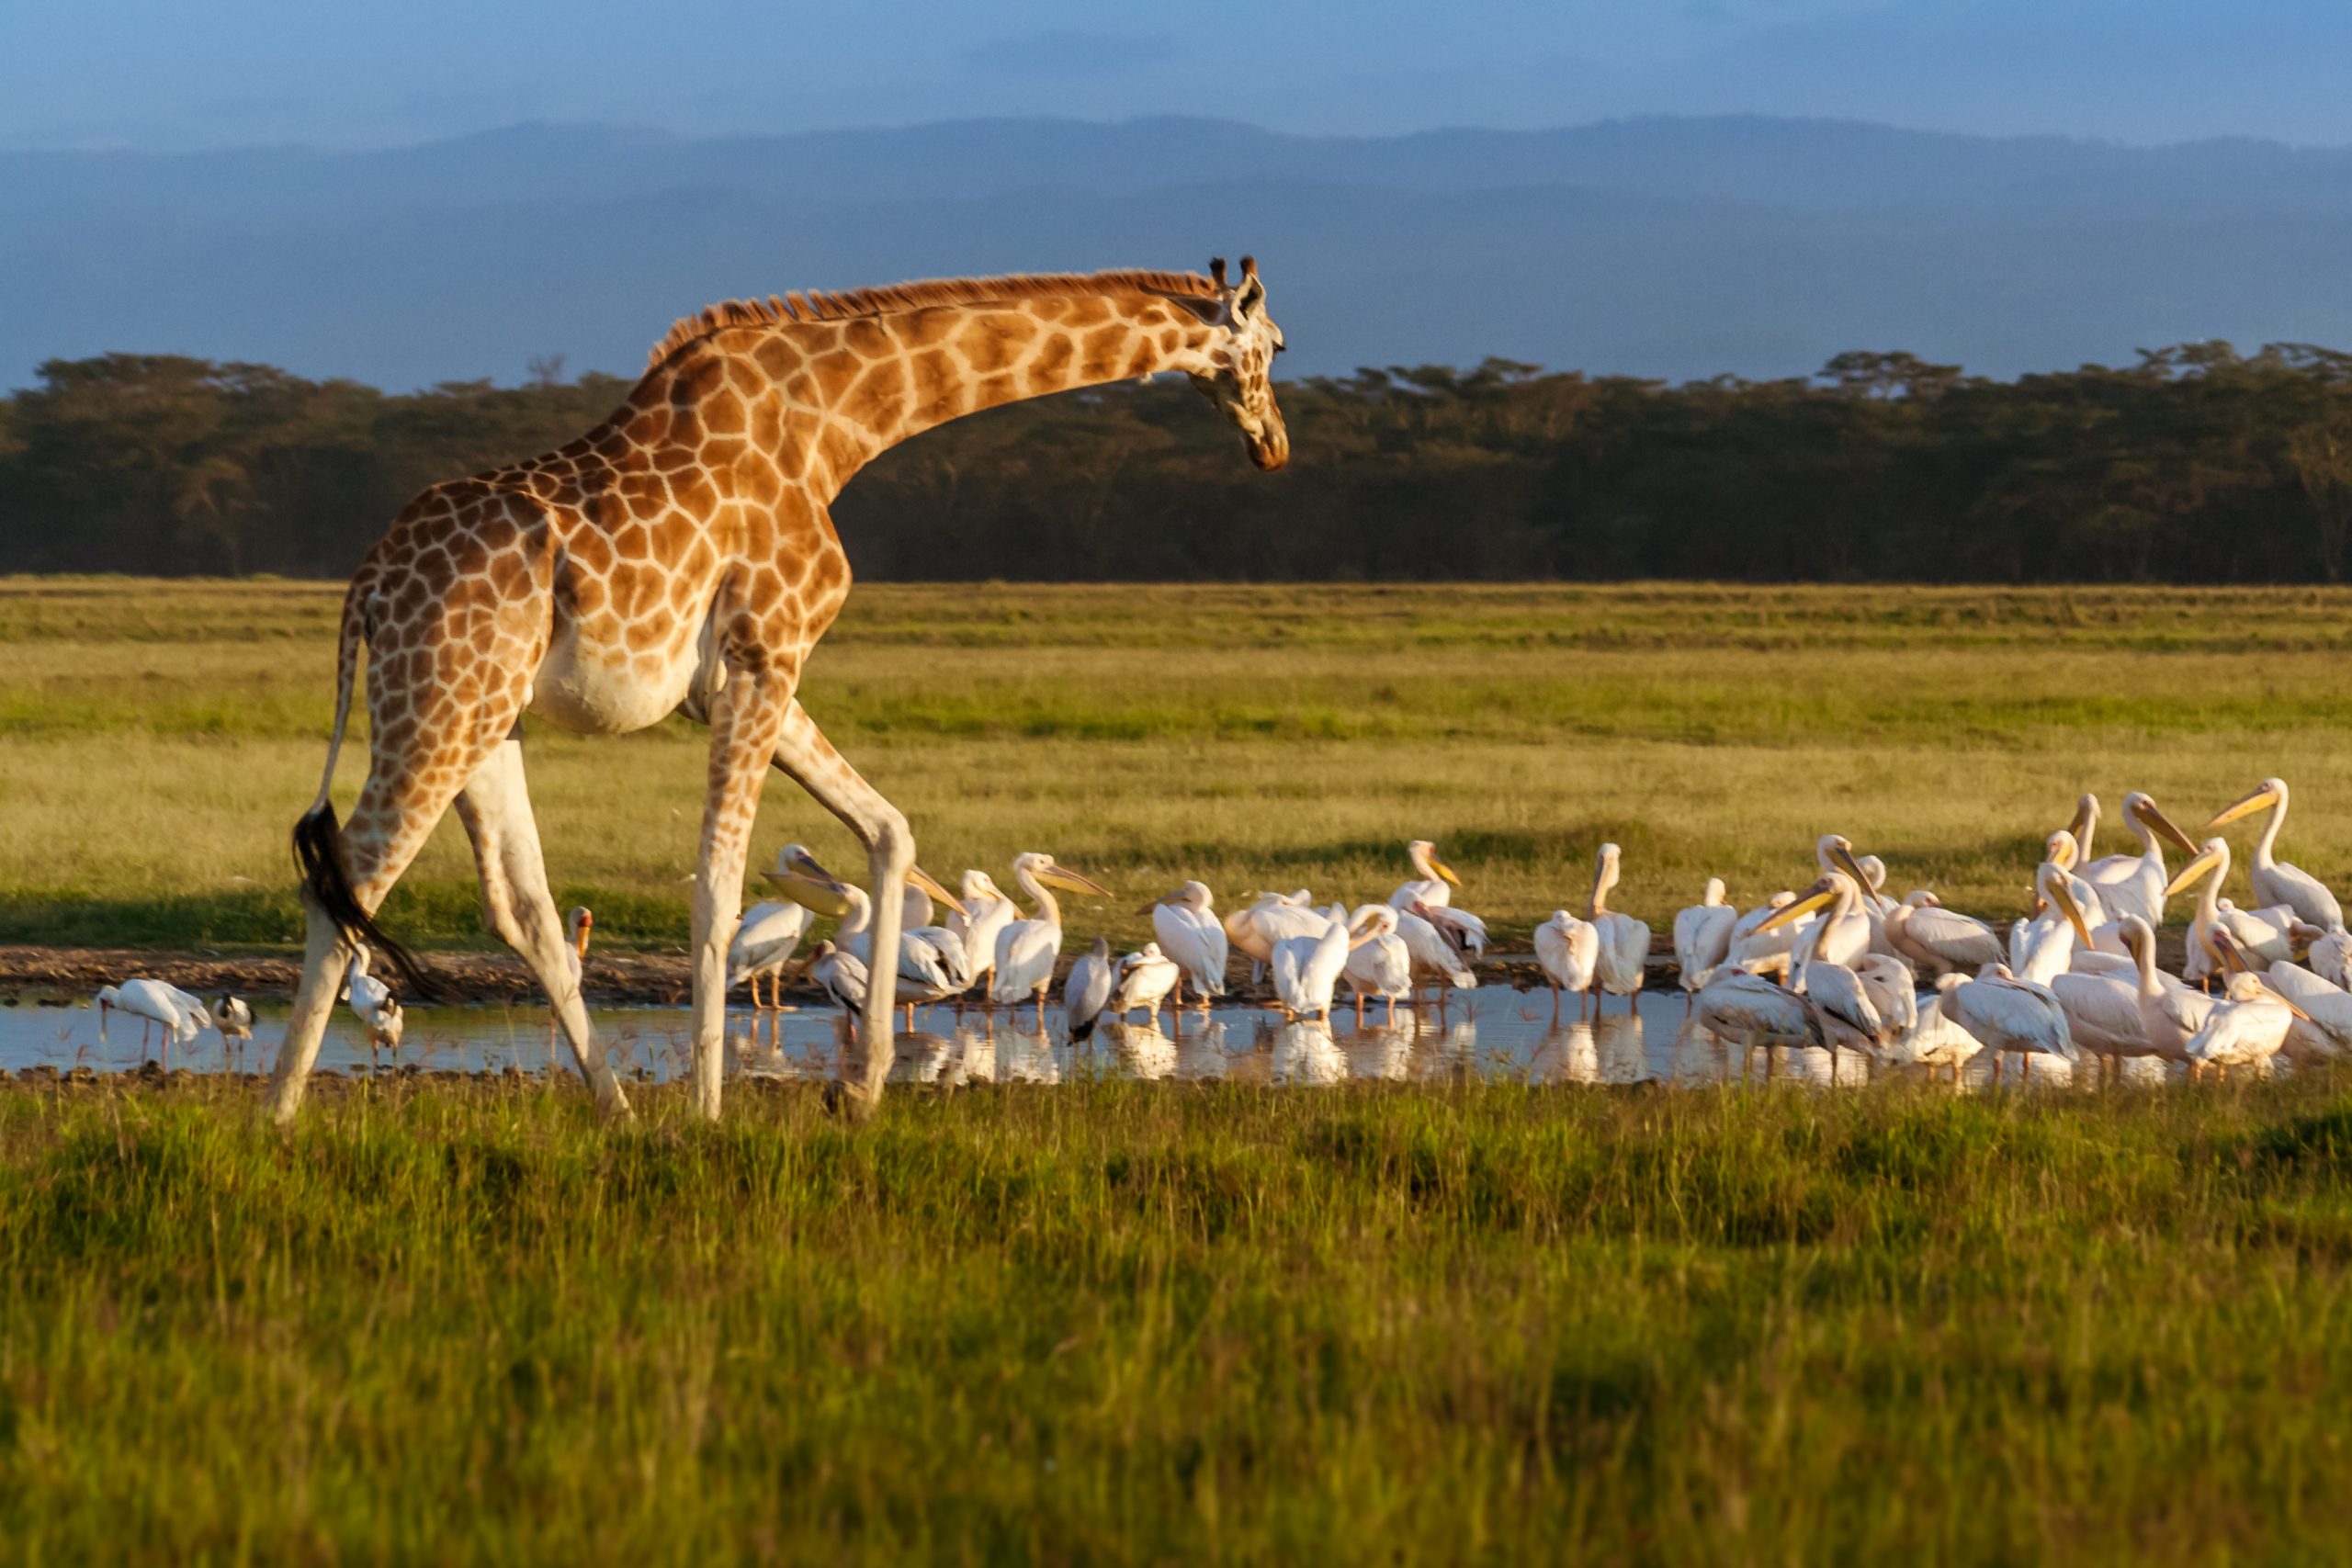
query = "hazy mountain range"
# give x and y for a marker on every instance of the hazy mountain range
(1677, 248)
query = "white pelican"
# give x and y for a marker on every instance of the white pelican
(1271, 917)
(2044, 947)
(1190, 934)
(1702, 935)
(1430, 887)
(1752, 1010)
(2245, 1031)
(1569, 950)
(2065, 851)
(2008, 1014)
(1934, 1039)
(1840, 936)
(1436, 961)
(373, 1004)
(764, 944)
(1848, 1015)
(2102, 1016)
(1941, 941)
(1145, 979)
(153, 1001)
(1026, 950)
(1823, 962)
(932, 964)
(2084, 825)
(1893, 990)
(1381, 965)
(2170, 1012)
(1307, 969)
(2262, 937)
(1768, 953)
(1086, 989)
(2276, 883)
(977, 918)
(2331, 957)
(1624, 940)
(2135, 884)
(2325, 1032)
(841, 975)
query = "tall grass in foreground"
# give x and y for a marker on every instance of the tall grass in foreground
(1178, 1321)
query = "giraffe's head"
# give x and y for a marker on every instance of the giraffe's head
(1240, 378)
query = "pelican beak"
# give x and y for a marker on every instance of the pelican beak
(933, 888)
(1813, 900)
(2065, 898)
(2206, 861)
(2064, 848)
(1844, 857)
(2262, 796)
(1069, 881)
(1444, 870)
(821, 893)
(2166, 830)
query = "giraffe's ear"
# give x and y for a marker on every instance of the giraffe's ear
(1249, 299)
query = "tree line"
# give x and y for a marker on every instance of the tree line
(2196, 464)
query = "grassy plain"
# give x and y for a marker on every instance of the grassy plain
(162, 737)
(1111, 1321)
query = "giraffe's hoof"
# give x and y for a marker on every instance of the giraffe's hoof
(850, 1101)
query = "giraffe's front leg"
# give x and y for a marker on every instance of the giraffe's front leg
(744, 720)
(811, 761)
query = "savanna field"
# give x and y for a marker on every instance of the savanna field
(1182, 1320)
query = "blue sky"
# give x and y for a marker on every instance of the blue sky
(172, 74)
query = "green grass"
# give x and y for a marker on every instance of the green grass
(161, 737)
(1173, 1323)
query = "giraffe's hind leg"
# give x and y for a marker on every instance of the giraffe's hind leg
(804, 753)
(398, 808)
(497, 810)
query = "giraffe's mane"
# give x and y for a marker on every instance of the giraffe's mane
(889, 299)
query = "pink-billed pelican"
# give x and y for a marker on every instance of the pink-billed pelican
(932, 964)
(1145, 978)
(2135, 884)
(1026, 950)
(2262, 937)
(1381, 967)
(1433, 882)
(1190, 933)
(1568, 951)
(1086, 989)
(2276, 883)
(2011, 1015)
(1701, 936)
(153, 1001)
(1625, 941)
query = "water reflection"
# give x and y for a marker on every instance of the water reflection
(1492, 1034)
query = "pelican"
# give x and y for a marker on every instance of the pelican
(932, 964)
(1624, 940)
(1086, 989)
(1430, 887)
(1765, 954)
(977, 918)
(1701, 936)
(1848, 1016)
(2325, 1032)
(1934, 1039)
(1145, 980)
(841, 975)
(1272, 916)
(2009, 1014)
(1824, 959)
(2245, 1030)
(1190, 933)
(2276, 883)
(2262, 937)
(373, 1004)
(153, 1001)
(2044, 947)
(2064, 851)
(2084, 825)
(1739, 1005)
(2135, 884)
(1464, 930)
(1307, 969)
(1940, 940)
(1436, 961)
(1568, 950)
(1840, 936)
(1025, 950)
(1381, 965)
(1893, 990)
(764, 944)
(2331, 957)
(2102, 1016)
(2170, 1012)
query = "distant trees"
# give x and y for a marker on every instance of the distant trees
(2197, 463)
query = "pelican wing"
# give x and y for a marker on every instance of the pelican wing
(1430, 952)
(1381, 967)
(1703, 939)
(1085, 993)
(2102, 1012)
(1196, 942)
(2299, 890)
(1749, 1008)
(1025, 951)
(766, 939)
(1838, 992)
(1959, 939)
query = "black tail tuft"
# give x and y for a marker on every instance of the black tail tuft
(1081, 1031)
(323, 875)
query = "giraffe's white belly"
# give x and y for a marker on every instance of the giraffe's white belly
(595, 690)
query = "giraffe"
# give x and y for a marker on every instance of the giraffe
(680, 558)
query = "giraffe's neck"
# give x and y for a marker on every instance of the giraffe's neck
(871, 382)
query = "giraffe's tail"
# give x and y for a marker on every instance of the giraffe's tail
(316, 852)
